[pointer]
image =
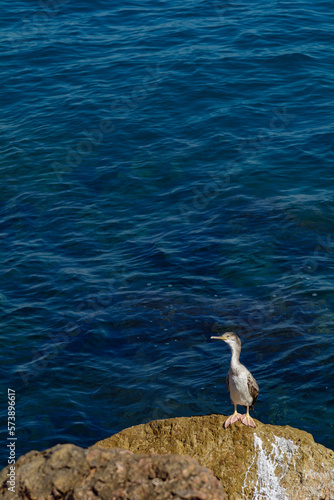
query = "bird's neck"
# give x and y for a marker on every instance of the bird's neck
(235, 357)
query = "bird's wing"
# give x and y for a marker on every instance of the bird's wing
(228, 382)
(253, 388)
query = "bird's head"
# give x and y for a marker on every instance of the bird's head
(230, 338)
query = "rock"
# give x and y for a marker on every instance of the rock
(69, 472)
(268, 462)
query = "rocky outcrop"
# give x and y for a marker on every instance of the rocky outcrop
(69, 472)
(268, 462)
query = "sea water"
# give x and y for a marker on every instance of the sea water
(166, 174)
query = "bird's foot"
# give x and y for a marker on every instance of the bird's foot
(231, 419)
(247, 420)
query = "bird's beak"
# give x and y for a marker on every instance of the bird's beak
(218, 338)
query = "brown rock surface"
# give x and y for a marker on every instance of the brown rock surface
(270, 462)
(73, 473)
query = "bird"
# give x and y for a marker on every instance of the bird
(241, 384)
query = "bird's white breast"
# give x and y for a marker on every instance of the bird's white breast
(238, 386)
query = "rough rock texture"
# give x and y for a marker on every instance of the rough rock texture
(73, 473)
(269, 462)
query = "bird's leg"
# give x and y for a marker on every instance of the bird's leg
(247, 419)
(233, 418)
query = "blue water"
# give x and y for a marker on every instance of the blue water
(167, 173)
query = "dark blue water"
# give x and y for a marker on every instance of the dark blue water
(166, 173)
